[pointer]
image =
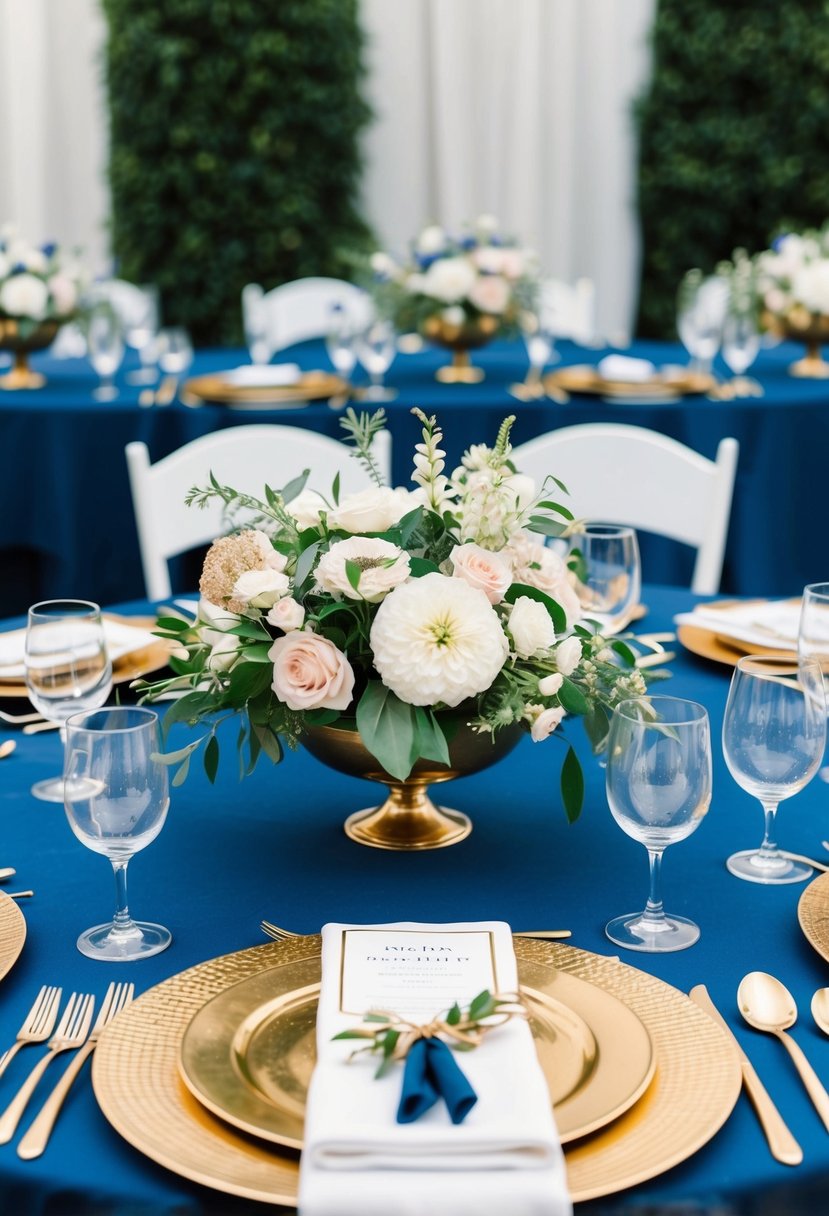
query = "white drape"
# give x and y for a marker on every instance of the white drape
(521, 108)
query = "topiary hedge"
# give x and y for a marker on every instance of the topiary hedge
(234, 148)
(734, 136)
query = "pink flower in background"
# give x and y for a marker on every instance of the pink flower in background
(479, 567)
(490, 293)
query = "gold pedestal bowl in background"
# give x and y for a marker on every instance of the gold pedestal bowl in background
(408, 819)
(21, 345)
(460, 339)
(800, 325)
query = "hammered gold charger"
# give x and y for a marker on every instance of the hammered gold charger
(813, 915)
(248, 1054)
(311, 386)
(585, 378)
(12, 933)
(140, 1091)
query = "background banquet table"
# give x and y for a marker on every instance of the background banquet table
(273, 847)
(67, 529)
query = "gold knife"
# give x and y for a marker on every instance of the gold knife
(782, 1143)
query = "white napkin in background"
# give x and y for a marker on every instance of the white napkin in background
(625, 367)
(121, 640)
(358, 1161)
(766, 624)
(255, 375)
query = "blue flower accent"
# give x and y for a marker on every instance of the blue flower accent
(48, 248)
(425, 260)
(468, 242)
(778, 241)
(18, 268)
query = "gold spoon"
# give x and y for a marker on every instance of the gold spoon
(767, 1005)
(820, 1009)
(7, 748)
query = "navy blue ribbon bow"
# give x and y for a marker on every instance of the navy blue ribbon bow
(432, 1072)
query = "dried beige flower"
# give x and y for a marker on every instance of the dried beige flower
(226, 559)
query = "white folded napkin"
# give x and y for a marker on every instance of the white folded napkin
(625, 367)
(254, 375)
(769, 624)
(120, 639)
(358, 1161)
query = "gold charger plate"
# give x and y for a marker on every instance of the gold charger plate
(584, 378)
(141, 1093)
(311, 386)
(12, 933)
(704, 641)
(813, 915)
(128, 667)
(248, 1054)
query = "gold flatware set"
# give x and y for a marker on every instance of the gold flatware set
(279, 934)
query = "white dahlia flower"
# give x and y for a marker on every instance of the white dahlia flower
(383, 566)
(436, 640)
(24, 295)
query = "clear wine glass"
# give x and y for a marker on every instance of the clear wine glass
(539, 342)
(175, 350)
(659, 789)
(610, 575)
(340, 341)
(376, 348)
(256, 323)
(141, 333)
(105, 343)
(67, 667)
(701, 310)
(740, 347)
(774, 733)
(116, 803)
(813, 637)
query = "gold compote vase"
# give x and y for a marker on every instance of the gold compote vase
(460, 338)
(21, 346)
(408, 819)
(800, 325)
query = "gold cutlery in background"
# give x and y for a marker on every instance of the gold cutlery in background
(781, 1142)
(19, 719)
(37, 1025)
(146, 398)
(166, 392)
(283, 935)
(7, 748)
(118, 996)
(35, 728)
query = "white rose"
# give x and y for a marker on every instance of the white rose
(810, 287)
(531, 627)
(522, 487)
(273, 559)
(548, 686)
(449, 280)
(489, 572)
(546, 723)
(63, 293)
(540, 567)
(306, 507)
(5, 265)
(35, 261)
(24, 296)
(453, 315)
(431, 240)
(382, 567)
(260, 588)
(224, 652)
(568, 656)
(372, 510)
(383, 266)
(286, 614)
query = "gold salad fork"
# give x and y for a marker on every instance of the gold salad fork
(118, 996)
(71, 1032)
(37, 1025)
(285, 935)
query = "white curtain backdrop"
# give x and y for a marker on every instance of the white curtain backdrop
(521, 108)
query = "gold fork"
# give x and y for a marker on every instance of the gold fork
(118, 996)
(285, 935)
(71, 1032)
(37, 1025)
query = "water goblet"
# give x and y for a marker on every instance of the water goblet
(540, 345)
(67, 667)
(116, 803)
(376, 348)
(740, 347)
(813, 638)
(340, 341)
(141, 333)
(658, 789)
(610, 573)
(701, 309)
(774, 733)
(175, 350)
(105, 343)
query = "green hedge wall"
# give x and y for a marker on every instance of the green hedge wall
(234, 148)
(734, 136)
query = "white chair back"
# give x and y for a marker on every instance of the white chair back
(301, 310)
(630, 475)
(569, 311)
(245, 457)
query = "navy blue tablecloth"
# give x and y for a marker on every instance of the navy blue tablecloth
(273, 846)
(66, 524)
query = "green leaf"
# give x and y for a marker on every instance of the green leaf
(454, 1015)
(353, 573)
(572, 698)
(408, 525)
(173, 624)
(387, 727)
(269, 741)
(305, 563)
(421, 565)
(246, 680)
(545, 526)
(320, 717)
(181, 773)
(429, 741)
(335, 490)
(211, 758)
(482, 1006)
(559, 616)
(183, 753)
(596, 725)
(248, 629)
(572, 786)
(258, 653)
(558, 507)
(376, 1017)
(295, 486)
(624, 652)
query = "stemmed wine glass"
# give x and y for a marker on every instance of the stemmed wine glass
(141, 333)
(540, 345)
(256, 322)
(774, 734)
(116, 803)
(610, 573)
(376, 348)
(740, 347)
(701, 309)
(175, 350)
(67, 667)
(105, 343)
(659, 789)
(813, 637)
(340, 341)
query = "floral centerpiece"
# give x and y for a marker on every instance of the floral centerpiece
(39, 291)
(396, 615)
(457, 290)
(793, 287)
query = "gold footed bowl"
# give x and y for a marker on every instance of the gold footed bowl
(813, 330)
(408, 819)
(21, 375)
(460, 339)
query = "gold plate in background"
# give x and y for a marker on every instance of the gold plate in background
(248, 1054)
(12, 933)
(138, 1086)
(311, 386)
(813, 915)
(705, 641)
(585, 378)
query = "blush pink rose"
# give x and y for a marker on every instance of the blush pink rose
(490, 293)
(309, 672)
(481, 568)
(546, 723)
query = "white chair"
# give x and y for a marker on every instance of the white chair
(245, 457)
(630, 475)
(302, 309)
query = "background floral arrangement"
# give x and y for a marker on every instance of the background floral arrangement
(793, 279)
(392, 612)
(456, 280)
(37, 283)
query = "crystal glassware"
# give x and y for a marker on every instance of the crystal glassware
(141, 333)
(701, 310)
(774, 732)
(658, 789)
(116, 803)
(67, 667)
(257, 325)
(740, 347)
(175, 350)
(539, 342)
(105, 344)
(813, 637)
(609, 572)
(340, 340)
(376, 348)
